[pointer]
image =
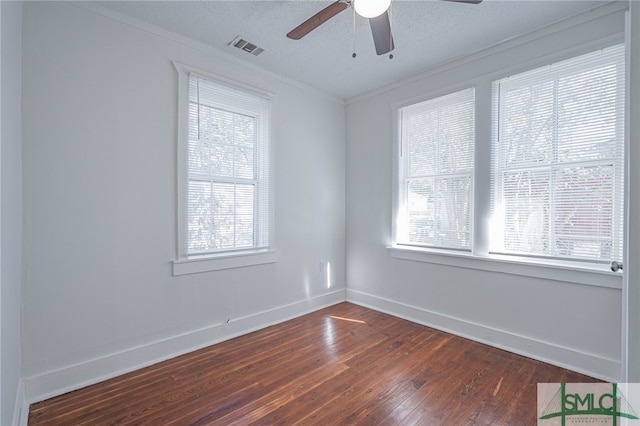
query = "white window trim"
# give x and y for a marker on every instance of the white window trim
(593, 274)
(577, 272)
(184, 264)
(197, 264)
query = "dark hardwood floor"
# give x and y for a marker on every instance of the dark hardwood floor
(341, 365)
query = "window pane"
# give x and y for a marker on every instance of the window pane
(421, 210)
(200, 213)
(526, 210)
(454, 211)
(584, 211)
(457, 130)
(422, 142)
(438, 211)
(244, 162)
(222, 218)
(245, 130)
(223, 199)
(224, 234)
(244, 231)
(208, 158)
(587, 119)
(528, 124)
(244, 200)
(216, 125)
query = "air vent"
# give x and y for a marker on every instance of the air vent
(243, 44)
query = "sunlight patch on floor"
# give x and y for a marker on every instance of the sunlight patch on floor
(347, 319)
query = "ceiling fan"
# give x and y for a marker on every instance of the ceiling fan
(375, 10)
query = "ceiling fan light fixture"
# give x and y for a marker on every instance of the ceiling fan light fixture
(371, 8)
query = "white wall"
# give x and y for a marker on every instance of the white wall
(100, 117)
(547, 316)
(11, 211)
(632, 266)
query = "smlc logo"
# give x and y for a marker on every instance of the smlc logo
(587, 403)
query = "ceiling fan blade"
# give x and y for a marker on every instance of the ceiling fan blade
(316, 20)
(381, 30)
(466, 1)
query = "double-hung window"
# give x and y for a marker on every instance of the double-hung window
(227, 195)
(558, 160)
(436, 172)
(550, 191)
(225, 206)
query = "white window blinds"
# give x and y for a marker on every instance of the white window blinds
(558, 157)
(436, 172)
(228, 196)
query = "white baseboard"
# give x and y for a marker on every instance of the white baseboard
(585, 363)
(72, 377)
(21, 408)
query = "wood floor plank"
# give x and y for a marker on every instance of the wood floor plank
(328, 392)
(212, 382)
(345, 364)
(378, 373)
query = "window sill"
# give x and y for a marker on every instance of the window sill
(198, 264)
(572, 272)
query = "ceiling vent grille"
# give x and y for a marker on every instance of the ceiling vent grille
(243, 44)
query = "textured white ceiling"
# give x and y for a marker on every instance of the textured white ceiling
(426, 33)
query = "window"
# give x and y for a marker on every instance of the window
(225, 187)
(557, 160)
(535, 186)
(436, 172)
